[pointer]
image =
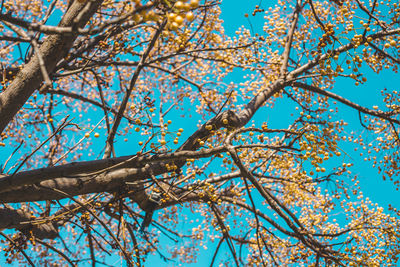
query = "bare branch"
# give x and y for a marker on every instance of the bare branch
(380, 114)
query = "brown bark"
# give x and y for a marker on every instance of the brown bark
(19, 219)
(54, 48)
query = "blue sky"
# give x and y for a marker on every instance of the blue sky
(379, 191)
(371, 182)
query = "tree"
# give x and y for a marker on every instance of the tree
(119, 76)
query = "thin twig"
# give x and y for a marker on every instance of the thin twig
(63, 124)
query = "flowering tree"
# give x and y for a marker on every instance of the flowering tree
(113, 75)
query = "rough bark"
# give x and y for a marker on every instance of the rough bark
(54, 48)
(19, 219)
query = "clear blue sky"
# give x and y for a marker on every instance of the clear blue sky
(372, 184)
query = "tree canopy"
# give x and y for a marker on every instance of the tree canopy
(138, 127)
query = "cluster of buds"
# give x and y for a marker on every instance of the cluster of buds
(181, 12)
(327, 36)
(338, 2)
(257, 9)
(171, 167)
(358, 39)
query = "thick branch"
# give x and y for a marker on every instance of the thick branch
(89, 177)
(53, 49)
(18, 219)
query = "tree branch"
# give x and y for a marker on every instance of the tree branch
(375, 113)
(54, 48)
